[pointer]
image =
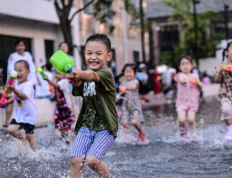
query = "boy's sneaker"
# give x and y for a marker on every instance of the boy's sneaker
(228, 136)
(142, 137)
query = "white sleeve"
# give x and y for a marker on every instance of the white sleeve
(63, 84)
(10, 65)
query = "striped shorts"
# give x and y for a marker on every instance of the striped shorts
(90, 142)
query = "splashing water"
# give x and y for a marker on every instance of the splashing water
(167, 155)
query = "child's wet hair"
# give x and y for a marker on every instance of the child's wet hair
(226, 49)
(19, 40)
(25, 64)
(131, 65)
(183, 56)
(100, 38)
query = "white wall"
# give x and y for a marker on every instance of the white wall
(30, 9)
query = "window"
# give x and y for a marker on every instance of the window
(6, 48)
(219, 27)
(49, 49)
(87, 9)
(169, 37)
(136, 56)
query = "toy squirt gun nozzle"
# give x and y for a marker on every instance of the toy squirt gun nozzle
(11, 80)
(40, 70)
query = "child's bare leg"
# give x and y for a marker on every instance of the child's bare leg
(9, 111)
(125, 126)
(98, 166)
(192, 121)
(14, 131)
(181, 118)
(77, 165)
(32, 141)
(228, 122)
(136, 123)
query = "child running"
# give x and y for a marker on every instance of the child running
(131, 105)
(97, 125)
(223, 75)
(188, 86)
(62, 114)
(23, 122)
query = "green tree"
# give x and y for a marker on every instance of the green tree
(100, 12)
(182, 14)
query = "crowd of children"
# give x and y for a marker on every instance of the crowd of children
(97, 124)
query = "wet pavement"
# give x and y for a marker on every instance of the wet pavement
(164, 155)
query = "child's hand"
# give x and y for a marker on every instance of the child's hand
(122, 89)
(45, 78)
(11, 87)
(74, 75)
(193, 81)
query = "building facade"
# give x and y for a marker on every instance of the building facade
(37, 23)
(165, 35)
(126, 43)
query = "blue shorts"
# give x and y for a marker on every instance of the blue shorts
(90, 142)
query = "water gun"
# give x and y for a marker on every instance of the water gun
(62, 62)
(122, 89)
(40, 70)
(11, 80)
(227, 67)
(193, 81)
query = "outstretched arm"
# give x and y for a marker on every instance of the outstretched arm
(87, 75)
(52, 82)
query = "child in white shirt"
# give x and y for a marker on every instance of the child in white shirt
(23, 123)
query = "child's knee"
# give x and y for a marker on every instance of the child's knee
(124, 123)
(11, 130)
(134, 122)
(91, 161)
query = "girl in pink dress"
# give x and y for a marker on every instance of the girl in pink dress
(188, 86)
(223, 76)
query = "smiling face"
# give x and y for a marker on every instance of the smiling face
(96, 55)
(20, 48)
(22, 71)
(185, 66)
(129, 73)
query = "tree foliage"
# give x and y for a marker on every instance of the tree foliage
(100, 11)
(183, 14)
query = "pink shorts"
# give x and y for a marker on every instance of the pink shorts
(190, 107)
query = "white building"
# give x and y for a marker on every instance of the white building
(34, 20)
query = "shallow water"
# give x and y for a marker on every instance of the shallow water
(165, 155)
